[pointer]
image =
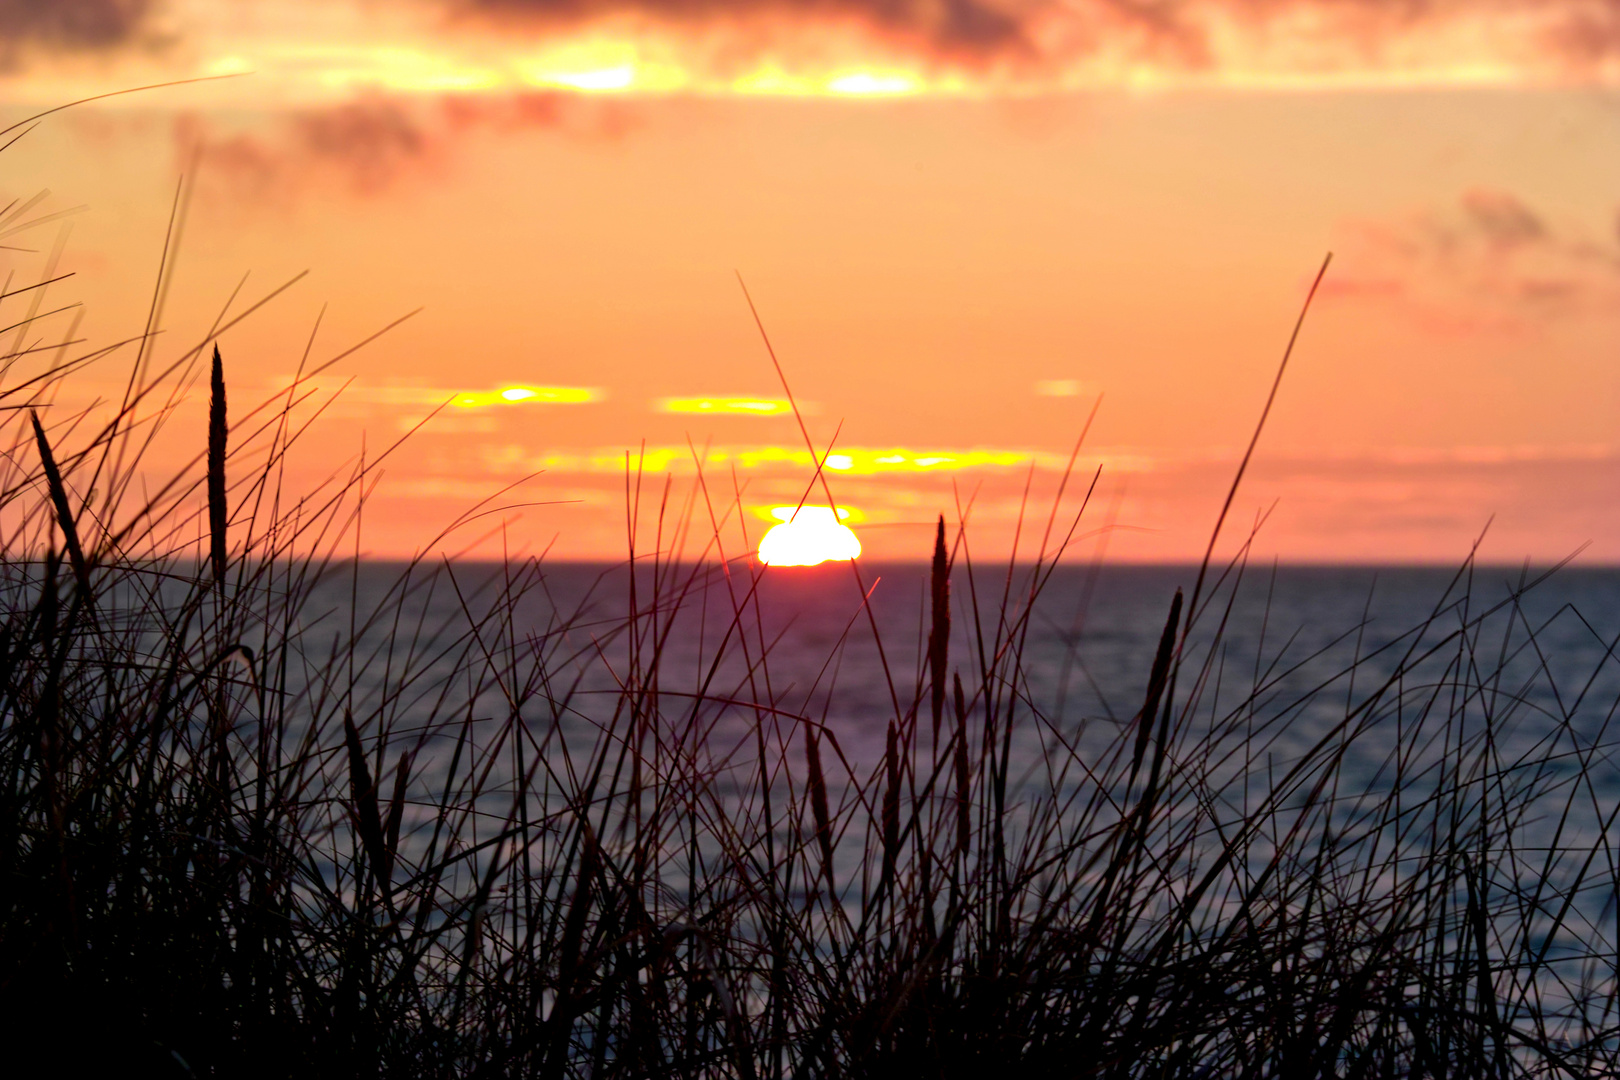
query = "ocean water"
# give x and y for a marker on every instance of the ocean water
(846, 650)
(1408, 700)
(1399, 705)
(1396, 666)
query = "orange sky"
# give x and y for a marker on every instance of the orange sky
(961, 221)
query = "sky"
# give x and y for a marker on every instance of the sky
(972, 231)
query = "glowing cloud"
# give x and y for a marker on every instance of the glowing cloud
(1058, 387)
(302, 51)
(862, 462)
(873, 84)
(522, 395)
(727, 406)
(851, 461)
(617, 78)
(808, 535)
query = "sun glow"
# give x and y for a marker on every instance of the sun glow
(808, 535)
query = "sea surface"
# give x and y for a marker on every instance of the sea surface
(1358, 688)
(843, 646)
(1275, 660)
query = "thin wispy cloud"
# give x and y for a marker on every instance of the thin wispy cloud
(370, 145)
(44, 26)
(789, 460)
(416, 398)
(1490, 262)
(732, 405)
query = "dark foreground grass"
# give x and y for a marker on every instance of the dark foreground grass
(235, 841)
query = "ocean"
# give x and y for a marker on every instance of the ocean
(1296, 644)
(1404, 771)
(1391, 668)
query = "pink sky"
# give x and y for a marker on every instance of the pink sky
(961, 222)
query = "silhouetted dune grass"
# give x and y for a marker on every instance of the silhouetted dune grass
(245, 832)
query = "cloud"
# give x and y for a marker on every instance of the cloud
(334, 50)
(364, 146)
(69, 25)
(857, 461)
(418, 398)
(1136, 41)
(953, 28)
(526, 395)
(730, 406)
(1502, 219)
(1489, 263)
(367, 146)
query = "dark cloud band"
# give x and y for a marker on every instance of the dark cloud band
(1030, 43)
(1187, 34)
(71, 24)
(952, 26)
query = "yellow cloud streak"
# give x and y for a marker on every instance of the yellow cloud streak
(525, 395)
(729, 406)
(852, 461)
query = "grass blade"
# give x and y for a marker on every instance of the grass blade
(64, 512)
(217, 431)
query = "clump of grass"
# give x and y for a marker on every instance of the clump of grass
(246, 831)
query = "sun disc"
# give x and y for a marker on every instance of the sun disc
(811, 536)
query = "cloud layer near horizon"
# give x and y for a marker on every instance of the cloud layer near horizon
(802, 46)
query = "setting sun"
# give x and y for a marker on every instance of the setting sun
(812, 535)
